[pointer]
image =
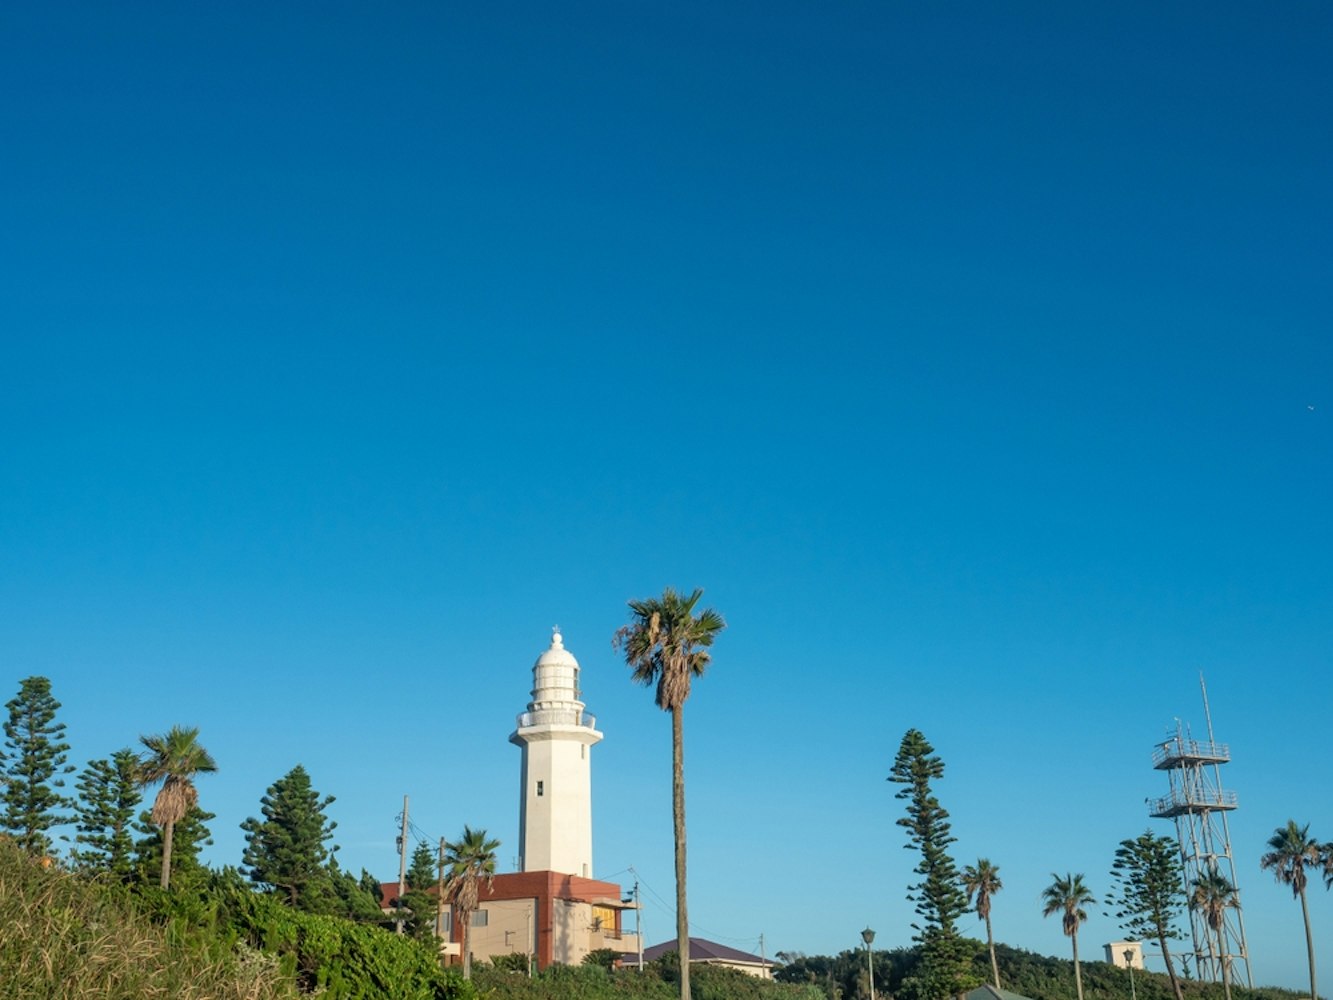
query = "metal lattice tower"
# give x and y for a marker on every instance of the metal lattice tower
(1199, 805)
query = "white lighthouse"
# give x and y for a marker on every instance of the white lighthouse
(555, 800)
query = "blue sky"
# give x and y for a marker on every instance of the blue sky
(976, 359)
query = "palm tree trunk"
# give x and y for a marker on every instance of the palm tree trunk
(467, 955)
(1170, 968)
(678, 822)
(990, 943)
(170, 828)
(1309, 943)
(1078, 975)
(1226, 967)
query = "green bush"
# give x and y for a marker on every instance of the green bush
(331, 956)
(657, 982)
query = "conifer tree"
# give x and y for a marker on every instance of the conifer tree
(945, 968)
(422, 872)
(285, 850)
(422, 875)
(109, 799)
(1148, 894)
(371, 886)
(190, 834)
(348, 896)
(35, 754)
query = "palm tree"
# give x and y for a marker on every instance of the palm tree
(1293, 851)
(1212, 895)
(467, 862)
(983, 881)
(1068, 896)
(173, 759)
(666, 644)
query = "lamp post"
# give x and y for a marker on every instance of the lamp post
(868, 936)
(1129, 964)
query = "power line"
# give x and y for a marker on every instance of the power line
(670, 909)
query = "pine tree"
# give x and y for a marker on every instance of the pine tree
(109, 799)
(285, 850)
(422, 875)
(190, 835)
(946, 958)
(371, 886)
(36, 754)
(422, 872)
(1148, 894)
(343, 895)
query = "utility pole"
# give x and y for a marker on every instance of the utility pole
(868, 936)
(638, 920)
(402, 870)
(439, 897)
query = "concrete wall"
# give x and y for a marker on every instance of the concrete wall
(511, 927)
(556, 806)
(1115, 954)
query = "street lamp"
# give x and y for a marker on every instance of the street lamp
(1129, 964)
(868, 936)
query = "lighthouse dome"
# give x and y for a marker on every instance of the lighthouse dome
(555, 678)
(557, 655)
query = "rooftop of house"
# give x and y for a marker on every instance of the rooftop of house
(702, 950)
(522, 885)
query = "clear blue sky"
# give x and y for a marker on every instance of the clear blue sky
(976, 359)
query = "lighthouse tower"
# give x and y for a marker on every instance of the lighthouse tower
(555, 799)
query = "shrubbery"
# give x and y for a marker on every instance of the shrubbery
(656, 982)
(339, 959)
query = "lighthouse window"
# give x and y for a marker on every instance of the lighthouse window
(539, 789)
(583, 750)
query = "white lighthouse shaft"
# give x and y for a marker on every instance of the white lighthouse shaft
(555, 798)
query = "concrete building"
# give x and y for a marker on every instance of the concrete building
(551, 909)
(1125, 954)
(549, 917)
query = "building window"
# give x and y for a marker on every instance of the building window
(539, 789)
(583, 750)
(480, 918)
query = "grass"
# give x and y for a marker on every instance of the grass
(65, 938)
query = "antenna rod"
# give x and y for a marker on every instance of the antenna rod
(1208, 715)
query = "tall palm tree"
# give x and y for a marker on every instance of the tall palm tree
(1212, 894)
(1068, 896)
(174, 760)
(982, 880)
(666, 644)
(467, 862)
(1293, 851)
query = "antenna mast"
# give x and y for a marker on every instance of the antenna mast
(1199, 805)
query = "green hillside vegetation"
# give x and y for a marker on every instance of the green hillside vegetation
(659, 980)
(1041, 977)
(74, 937)
(66, 938)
